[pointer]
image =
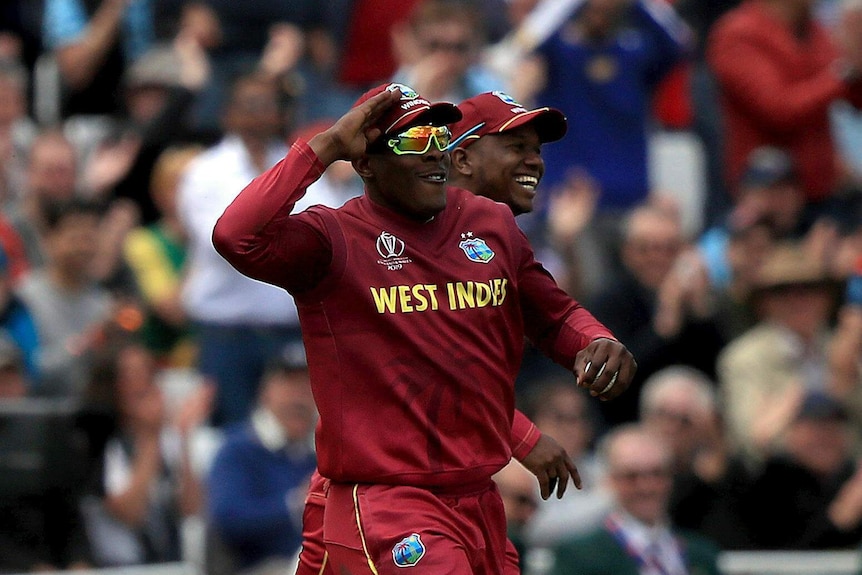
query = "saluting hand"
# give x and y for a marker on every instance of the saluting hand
(347, 138)
(605, 367)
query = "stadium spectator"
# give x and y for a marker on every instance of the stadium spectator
(710, 481)
(661, 303)
(156, 254)
(237, 37)
(158, 91)
(600, 68)
(70, 309)
(559, 410)
(51, 176)
(638, 536)
(239, 323)
(441, 56)
(145, 482)
(778, 71)
(93, 42)
(258, 481)
(809, 494)
(764, 372)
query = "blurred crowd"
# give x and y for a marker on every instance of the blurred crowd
(705, 205)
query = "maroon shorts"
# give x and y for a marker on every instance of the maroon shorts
(382, 529)
(312, 556)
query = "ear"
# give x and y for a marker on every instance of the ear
(362, 165)
(461, 161)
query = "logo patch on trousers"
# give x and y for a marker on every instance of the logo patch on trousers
(408, 551)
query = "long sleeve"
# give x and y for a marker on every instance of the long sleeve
(561, 333)
(259, 238)
(525, 435)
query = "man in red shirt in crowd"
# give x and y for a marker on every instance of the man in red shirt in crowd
(779, 71)
(414, 301)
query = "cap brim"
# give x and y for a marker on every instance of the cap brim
(550, 124)
(439, 114)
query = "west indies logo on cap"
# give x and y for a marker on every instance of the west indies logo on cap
(407, 93)
(507, 98)
(411, 109)
(497, 112)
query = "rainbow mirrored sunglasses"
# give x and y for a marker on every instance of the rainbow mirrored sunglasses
(417, 140)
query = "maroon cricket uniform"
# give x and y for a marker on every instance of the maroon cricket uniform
(414, 335)
(313, 560)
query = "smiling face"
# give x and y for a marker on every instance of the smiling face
(505, 167)
(414, 185)
(639, 474)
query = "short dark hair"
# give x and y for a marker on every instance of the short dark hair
(56, 212)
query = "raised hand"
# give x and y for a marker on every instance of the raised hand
(347, 138)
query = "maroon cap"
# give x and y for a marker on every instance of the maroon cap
(411, 109)
(497, 112)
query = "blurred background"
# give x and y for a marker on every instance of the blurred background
(705, 205)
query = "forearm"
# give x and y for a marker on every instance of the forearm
(130, 505)
(79, 62)
(661, 19)
(190, 491)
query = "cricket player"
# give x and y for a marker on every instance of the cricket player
(414, 300)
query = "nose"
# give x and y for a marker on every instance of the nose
(433, 155)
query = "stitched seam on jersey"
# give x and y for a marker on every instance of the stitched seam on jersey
(361, 531)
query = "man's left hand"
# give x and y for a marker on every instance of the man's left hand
(552, 466)
(605, 367)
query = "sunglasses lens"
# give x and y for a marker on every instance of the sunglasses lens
(417, 140)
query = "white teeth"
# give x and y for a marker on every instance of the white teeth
(527, 181)
(436, 177)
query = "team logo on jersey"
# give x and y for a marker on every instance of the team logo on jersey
(408, 551)
(475, 248)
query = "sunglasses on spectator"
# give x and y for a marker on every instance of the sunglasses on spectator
(417, 140)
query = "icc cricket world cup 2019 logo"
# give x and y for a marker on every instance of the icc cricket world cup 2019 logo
(388, 246)
(391, 250)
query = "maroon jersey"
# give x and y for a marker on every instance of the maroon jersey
(414, 331)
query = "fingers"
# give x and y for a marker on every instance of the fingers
(605, 368)
(374, 107)
(576, 476)
(558, 480)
